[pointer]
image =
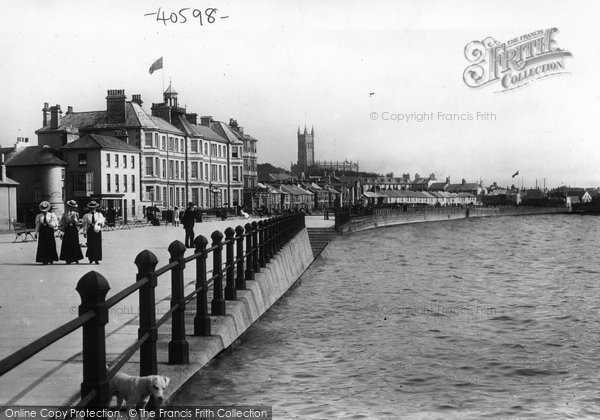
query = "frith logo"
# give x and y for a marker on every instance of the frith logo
(514, 63)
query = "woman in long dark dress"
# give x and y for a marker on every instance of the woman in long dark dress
(93, 222)
(45, 225)
(70, 250)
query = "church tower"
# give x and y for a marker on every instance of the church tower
(306, 149)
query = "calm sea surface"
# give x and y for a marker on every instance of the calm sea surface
(478, 318)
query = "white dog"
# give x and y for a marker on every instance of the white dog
(136, 390)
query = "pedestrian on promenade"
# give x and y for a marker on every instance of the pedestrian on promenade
(70, 250)
(93, 222)
(46, 223)
(188, 220)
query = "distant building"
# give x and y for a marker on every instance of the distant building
(105, 169)
(8, 198)
(40, 172)
(307, 165)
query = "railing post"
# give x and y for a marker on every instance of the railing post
(249, 271)
(217, 305)
(179, 353)
(230, 290)
(261, 244)
(255, 265)
(146, 264)
(92, 289)
(278, 233)
(201, 320)
(267, 239)
(240, 281)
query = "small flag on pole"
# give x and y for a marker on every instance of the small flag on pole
(515, 174)
(158, 64)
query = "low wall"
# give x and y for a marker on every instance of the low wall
(390, 217)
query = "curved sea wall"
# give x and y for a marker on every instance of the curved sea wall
(390, 217)
(266, 289)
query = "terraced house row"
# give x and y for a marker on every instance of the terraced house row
(130, 160)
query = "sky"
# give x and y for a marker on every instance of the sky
(349, 69)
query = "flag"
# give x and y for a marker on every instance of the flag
(156, 65)
(515, 174)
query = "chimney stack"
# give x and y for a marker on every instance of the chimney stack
(137, 98)
(192, 118)
(55, 116)
(69, 110)
(115, 106)
(206, 120)
(21, 143)
(45, 114)
(3, 173)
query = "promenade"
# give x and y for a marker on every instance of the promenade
(36, 299)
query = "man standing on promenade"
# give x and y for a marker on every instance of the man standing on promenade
(188, 220)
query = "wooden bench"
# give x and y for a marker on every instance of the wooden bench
(22, 232)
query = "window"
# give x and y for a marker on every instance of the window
(157, 166)
(156, 140)
(149, 166)
(79, 184)
(108, 182)
(171, 169)
(194, 146)
(116, 161)
(176, 144)
(124, 161)
(148, 140)
(213, 150)
(206, 171)
(220, 173)
(171, 142)
(132, 162)
(82, 159)
(89, 180)
(234, 152)
(201, 171)
(194, 174)
(181, 145)
(149, 193)
(206, 148)
(164, 168)
(213, 172)
(158, 194)
(164, 143)
(116, 182)
(108, 160)
(195, 197)
(236, 174)
(236, 197)
(124, 183)
(132, 183)
(176, 170)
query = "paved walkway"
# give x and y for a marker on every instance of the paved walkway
(35, 299)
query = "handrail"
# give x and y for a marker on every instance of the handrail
(262, 241)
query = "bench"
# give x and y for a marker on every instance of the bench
(22, 232)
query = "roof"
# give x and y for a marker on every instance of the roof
(135, 116)
(7, 182)
(438, 186)
(224, 131)
(466, 187)
(96, 141)
(199, 130)
(35, 155)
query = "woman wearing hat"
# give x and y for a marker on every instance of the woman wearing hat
(70, 250)
(45, 225)
(93, 222)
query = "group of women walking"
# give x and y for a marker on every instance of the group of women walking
(46, 224)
